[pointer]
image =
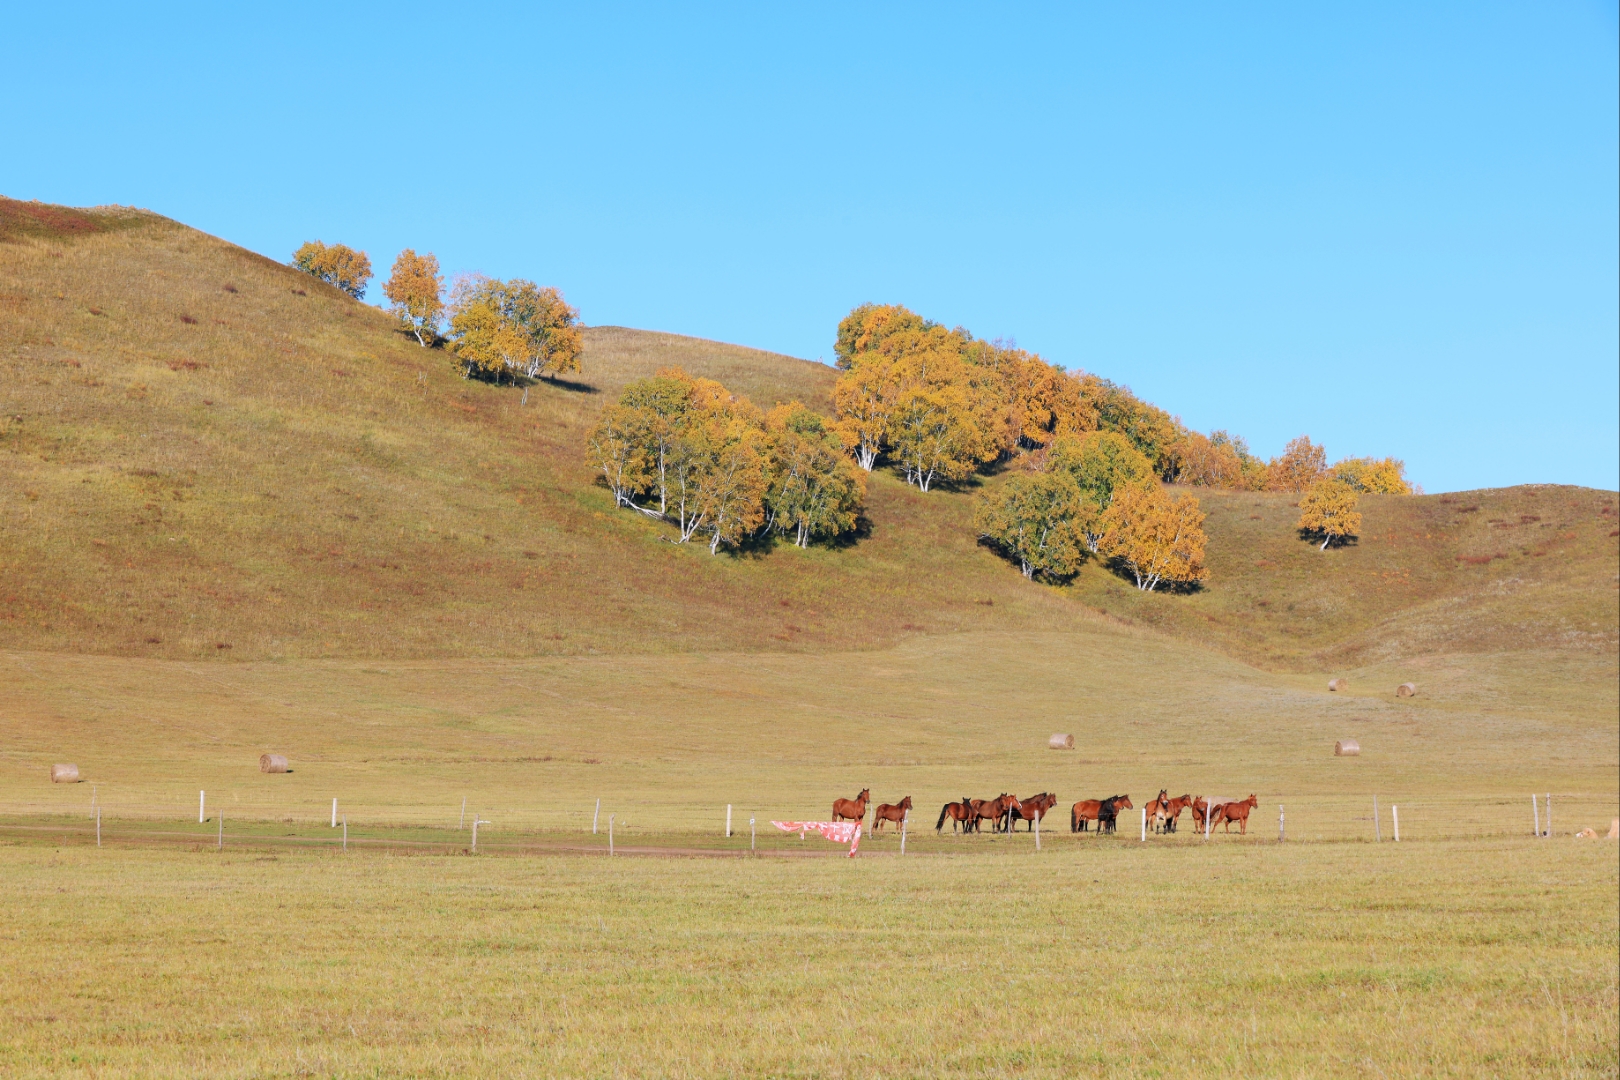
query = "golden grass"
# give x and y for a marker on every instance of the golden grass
(1260, 960)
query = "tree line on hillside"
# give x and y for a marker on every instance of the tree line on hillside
(687, 451)
(496, 330)
(1088, 460)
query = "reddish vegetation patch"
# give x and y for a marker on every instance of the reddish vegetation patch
(228, 287)
(39, 219)
(1479, 560)
(189, 320)
(186, 365)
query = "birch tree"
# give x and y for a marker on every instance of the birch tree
(1155, 536)
(1037, 520)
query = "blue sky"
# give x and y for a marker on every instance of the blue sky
(1391, 226)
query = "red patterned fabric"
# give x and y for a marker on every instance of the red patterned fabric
(839, 832)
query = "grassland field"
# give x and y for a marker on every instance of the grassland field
(281, 527)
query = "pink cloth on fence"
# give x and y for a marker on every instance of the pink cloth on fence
(839, 832)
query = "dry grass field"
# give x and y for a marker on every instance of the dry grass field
(259, 519)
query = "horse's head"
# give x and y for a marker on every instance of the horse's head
(866, 793)
(1124, 803)
(1164, 796)
(1252, 801)
(905, 803)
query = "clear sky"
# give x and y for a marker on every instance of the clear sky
(1391, 226)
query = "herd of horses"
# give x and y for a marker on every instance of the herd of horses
(1006, 810)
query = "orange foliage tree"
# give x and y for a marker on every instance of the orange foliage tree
(335, 264)
(414, 291)
(1302, 464)
(1157, 537)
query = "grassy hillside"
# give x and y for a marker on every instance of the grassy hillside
(209, 454)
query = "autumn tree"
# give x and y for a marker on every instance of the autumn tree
(1372, 476)
(414, 292)
(1218, 460)
(1328, 510)
(511, 328)
(868, 328)
(1037, 519)
(815, 491)
(1151, 430)
(335, 264)
(1156, 536)
(935, 434)
(617, 447)
(863, 400)
(1302, 463)
(1101, 463)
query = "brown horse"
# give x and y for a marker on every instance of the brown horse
(1155, 809)
(1201, 807)
(998, 810)
(1034, 808)
(960, 813)
(852, 809)
(1102, 811)
(895, 813)
(1172, 811)
(1226, 813)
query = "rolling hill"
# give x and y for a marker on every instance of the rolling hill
(209, 454)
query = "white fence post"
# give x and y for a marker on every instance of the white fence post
(334, 813)
(1144, 824)
(596, 816)
(728, 820)
(1281, 834)
(1535, 816)
(750, 832)
(906, 821)
(1395, 814)
(201, 802)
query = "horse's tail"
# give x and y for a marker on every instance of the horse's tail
(940, 824)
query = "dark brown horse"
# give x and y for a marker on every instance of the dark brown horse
(887, 812)
(1108, 812)
(998, 810)
(960, 813)
(1226, 813)
(1173, 809)
(852, 809)
(1034, 808)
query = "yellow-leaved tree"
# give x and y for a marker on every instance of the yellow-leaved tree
(335, 264)
(1156, 536)
(1302, 464)
(1101, 463)
(414, 292)
(1372, 476)
(863, 399)
(510, 328)
(1328, 510)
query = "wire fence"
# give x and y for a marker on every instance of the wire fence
(1302, 818)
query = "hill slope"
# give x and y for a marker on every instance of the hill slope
(207, 453)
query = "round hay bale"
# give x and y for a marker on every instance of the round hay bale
(272, 763)
(1406, 689)
(64, 774)
(1346, 748)
(1060, 742)
(1338, 684)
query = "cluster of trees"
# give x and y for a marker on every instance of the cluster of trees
(335, 264)
(495, 329)
(942, 405)
(1094, 495)
(687, 451)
